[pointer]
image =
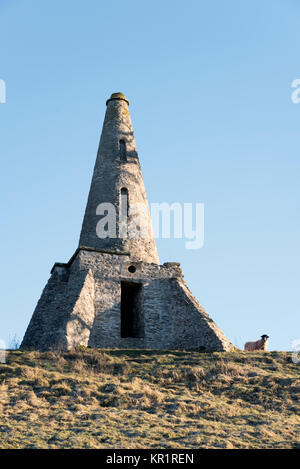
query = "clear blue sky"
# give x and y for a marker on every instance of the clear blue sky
(209, 84)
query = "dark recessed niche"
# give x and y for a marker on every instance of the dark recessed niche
(132, 317)
(123, 154)
(131, 269)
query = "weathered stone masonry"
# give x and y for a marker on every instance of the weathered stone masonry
(113, 292)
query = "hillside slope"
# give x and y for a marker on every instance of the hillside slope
(149, 399)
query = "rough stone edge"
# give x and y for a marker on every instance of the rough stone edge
(225, 343)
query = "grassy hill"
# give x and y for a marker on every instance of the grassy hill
(149, 399)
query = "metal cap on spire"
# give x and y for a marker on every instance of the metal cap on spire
(117, 96)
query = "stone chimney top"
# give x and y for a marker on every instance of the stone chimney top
(118, 96)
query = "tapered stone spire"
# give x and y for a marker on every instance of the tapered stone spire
(117, 184)
(113, 292)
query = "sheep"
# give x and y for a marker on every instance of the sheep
(258, 345)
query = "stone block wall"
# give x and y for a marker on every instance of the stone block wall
(81, 305)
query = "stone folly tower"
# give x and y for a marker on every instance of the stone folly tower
(113, 292)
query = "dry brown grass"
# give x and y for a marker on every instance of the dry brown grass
(149, 399)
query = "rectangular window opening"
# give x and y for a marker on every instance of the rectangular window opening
(132, 321)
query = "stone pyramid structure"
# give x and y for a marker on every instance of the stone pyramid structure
(113, 292)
